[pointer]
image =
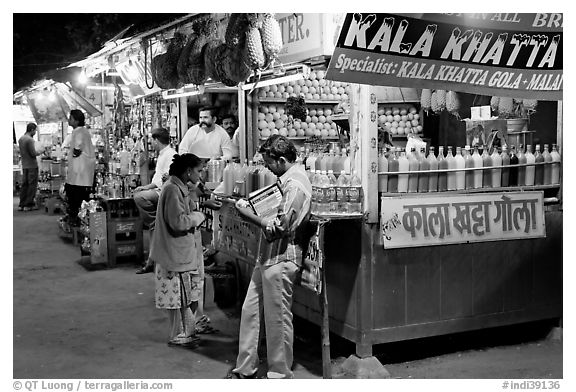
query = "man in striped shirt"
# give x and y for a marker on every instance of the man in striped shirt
(279, 258)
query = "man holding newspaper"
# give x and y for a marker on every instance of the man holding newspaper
(279, 257)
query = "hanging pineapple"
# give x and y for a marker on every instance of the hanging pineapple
(235, 36)
(453, 103)
(254, 52)
(494, 101)
(425, 99)
(271, 37)
(441, 99)
(505, 107)
(434, 103)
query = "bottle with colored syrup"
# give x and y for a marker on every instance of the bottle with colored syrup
(478, 166)
(451, 161)
(460, 164)
(530, 170)
(539, 168)
(403, 166)
(522, 169)
(468, 163)
(433, 178)
(442, 165)
(505, 179)
(496, 173)
(548, 166)
(423, 165)
(393, 167)
(513, 170)
(413, 167)
(486, 173)
(556, 159)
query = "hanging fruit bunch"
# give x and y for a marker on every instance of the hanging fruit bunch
(441, 100)
(426, 100)
(453, 103)
(507, 107)
(165, 66)
(434, 103)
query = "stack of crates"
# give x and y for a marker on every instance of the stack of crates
(124, 230)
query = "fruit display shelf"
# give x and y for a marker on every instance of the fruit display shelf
(308, 102)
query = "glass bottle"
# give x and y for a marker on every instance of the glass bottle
(413, 166)
(403, 166)
(468, 164)
(442, 165)
(393, 166)
(433, 180)
(451, 161)
(486, 173)
(423, 165)
(530, 170)
(460, 164)
(539, 168)
(548, 166)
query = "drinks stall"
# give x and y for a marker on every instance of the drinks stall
(445, 245)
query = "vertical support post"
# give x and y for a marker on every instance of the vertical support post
(182, 117)
(364, 131)
(243, 125)
(251, 134)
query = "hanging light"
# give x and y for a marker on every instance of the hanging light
(133, 71)
(82, 78)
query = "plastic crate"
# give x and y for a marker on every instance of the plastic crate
(124, 238)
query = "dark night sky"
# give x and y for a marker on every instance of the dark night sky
(44, 42)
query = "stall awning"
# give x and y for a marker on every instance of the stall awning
(22, 113)
(517, 55)
(53, 102)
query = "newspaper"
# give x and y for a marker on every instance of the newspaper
(265, 201)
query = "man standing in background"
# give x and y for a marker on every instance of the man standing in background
(81, 165)
(29, 169)
(210, 134)
(230, 125)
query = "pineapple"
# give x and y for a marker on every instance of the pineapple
(505, 107)
(494, 101)
(441, 99)
(254, 51)
(453, 103)
(434, 103)
(235, 35)
(271, 36)
(425, 99)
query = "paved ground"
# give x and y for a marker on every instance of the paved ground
(74, 322)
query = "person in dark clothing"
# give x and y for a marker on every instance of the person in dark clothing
(29, 169)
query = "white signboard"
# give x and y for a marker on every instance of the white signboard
(424, 220)
(305, 36)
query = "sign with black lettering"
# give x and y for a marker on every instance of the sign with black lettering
(312, 263)
(475, 53)
(423, 220)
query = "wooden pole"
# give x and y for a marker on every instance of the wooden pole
(325, 330)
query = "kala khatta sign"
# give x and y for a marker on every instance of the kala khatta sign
(517, 55)
(425, 220)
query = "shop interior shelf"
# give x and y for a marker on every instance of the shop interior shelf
(304, 138)
(476, 190)
(397, 102)
(308, 101)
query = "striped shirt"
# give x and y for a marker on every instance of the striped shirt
(280, 240)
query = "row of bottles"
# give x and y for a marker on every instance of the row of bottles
(123, 161)
(335, 196)
(241, 179)
(114, 187)
(335, 160)
(545, 172)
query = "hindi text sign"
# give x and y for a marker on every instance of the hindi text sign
(425, 220)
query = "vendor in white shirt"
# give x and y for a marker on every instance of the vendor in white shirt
(146, 196)
(230, 125)
(212, 134)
